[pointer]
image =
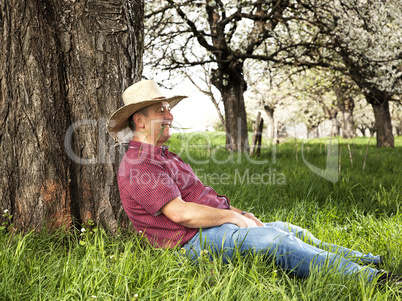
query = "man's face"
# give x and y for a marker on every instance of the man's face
(158, 123)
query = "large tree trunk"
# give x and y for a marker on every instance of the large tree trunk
(346, 105)
(271, 121)
(236, 119)
(344, 91)
(232, 87)
(380, 103)
(348, 130)
(313, 132)
(64, 65)
(330, 112)
(363, 131)
(335, 129)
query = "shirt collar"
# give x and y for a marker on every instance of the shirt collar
(149, 148)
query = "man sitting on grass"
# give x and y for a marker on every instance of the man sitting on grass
(166, 201)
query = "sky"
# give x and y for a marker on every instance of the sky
(197, 112)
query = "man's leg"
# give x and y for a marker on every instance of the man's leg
(306, 236)
(288, 251)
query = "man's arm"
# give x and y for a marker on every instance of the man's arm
(194, 215)
(248, 215)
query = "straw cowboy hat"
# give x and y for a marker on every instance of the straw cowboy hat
(136, 97)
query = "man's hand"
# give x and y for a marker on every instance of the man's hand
(253, 218)
(250, 216)
(245, 222)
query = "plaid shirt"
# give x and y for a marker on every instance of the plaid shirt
(149, 177)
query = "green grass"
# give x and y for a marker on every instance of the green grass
(360, 211)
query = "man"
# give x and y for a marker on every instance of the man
(166, 201)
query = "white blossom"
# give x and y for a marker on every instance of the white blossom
(370, 31)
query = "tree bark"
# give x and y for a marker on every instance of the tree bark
(236, 119)
(346, 105)
(363, 131)
(256, 126)
(232, 86)
(345, 90)
(64, 65)
(313, 132)
(330, 112)
(334, 127)
(380, 103)
(348, 130)
(271, 121)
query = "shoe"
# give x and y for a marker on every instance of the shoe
(388, 278)
(380, 263)
(386, 260)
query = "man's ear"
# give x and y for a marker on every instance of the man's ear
(138, 120)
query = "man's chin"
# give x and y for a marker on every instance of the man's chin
(163, 138)
(168, 132)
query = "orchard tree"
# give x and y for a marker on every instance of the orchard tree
(396, 112)
(63, 67)
(346, 92)
(318, 95)
(317, 100)
(221, 33)
(332, 92)
(364, 120)
(361, 39)
(266, 92)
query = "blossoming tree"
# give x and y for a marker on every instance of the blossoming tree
(360, 38)
(182, 34)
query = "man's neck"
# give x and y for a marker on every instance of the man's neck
(143, 138)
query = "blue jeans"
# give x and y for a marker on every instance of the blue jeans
(293, 248)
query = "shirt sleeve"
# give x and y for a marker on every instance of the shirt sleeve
(151, 186)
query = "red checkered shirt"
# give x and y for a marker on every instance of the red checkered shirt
(151, 176)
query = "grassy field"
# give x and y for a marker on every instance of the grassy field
(360, 210)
